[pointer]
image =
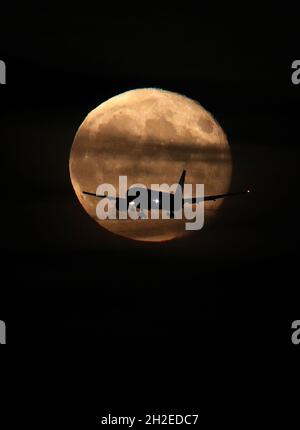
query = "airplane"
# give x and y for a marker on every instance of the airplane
(156, 199)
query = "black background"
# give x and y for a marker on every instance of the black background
(216, 305)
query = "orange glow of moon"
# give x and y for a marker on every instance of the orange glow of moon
(149, 135)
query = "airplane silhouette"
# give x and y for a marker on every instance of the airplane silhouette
(156, 199)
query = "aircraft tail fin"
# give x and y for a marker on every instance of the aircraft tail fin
(182, 180)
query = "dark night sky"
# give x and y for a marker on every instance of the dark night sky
(236, 279)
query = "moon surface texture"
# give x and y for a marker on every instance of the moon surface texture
(149, 135)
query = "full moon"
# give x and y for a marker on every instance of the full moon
(150, 135)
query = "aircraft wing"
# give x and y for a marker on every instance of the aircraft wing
(99, 195)
(116, 199)
(194, 200)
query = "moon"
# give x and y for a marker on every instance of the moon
(150, 135)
